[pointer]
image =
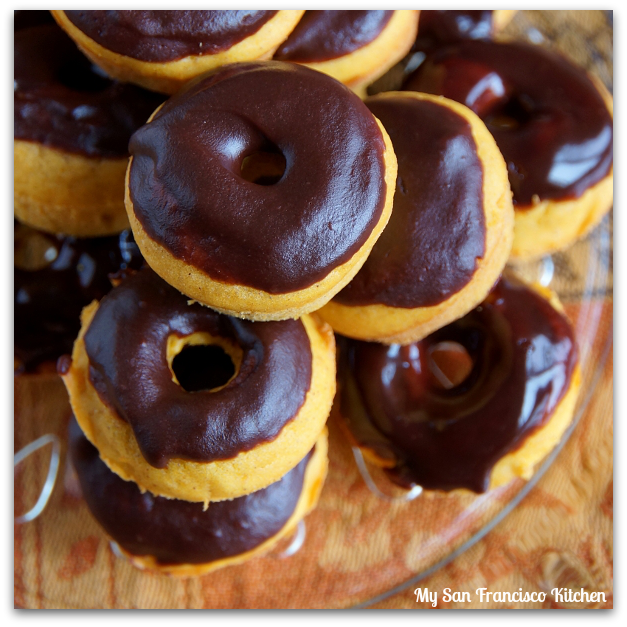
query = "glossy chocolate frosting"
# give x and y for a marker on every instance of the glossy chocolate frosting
(523, 356)
(48, 298)
(438, 28)
(126, 345)
(63, 101)
(161, 36)
(430, 247)
(190, 197)
(326, 35)
(180, 532)
(547, 117)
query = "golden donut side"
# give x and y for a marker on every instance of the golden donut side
(360, 68)
(168, 77)
(60, 192)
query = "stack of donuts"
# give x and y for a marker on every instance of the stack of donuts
(240, 226)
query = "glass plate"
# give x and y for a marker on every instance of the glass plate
(359, 549)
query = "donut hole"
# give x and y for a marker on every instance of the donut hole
(32, 249)
(201, 362)
(264, 167)
(450, 364)
(515, 113)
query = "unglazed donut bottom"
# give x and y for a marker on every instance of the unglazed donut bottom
(199, 481)
(60, 192)
(363, 66)
(248, 301)
(396, 325)
(168, 77)
(138, 522)
(453, 454)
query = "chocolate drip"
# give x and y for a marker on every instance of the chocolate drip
(48, 300)
(547, 117)
(63, 101)
(429, 249)
(179, 532)
(162, 36)
(126, 344)
(524, 355)
(326, 35)
(190, 195)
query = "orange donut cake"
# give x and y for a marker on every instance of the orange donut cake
(356, 47)
(551, 121)
(179, 538)
(473, 405)
(191, 404)
(270, 209)
(162, 50)
(451, 228)
(71, 131)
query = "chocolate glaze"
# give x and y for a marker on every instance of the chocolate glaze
(437, 28)
(190, 197)
(180, 532)
(63, 101)
(326, 35)
(126, 345)
(547, 117)
(429, 249)
(48, 301)
(524, 355)
(161, 36)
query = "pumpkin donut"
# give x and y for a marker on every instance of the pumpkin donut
(179, 538)
(162, 50)
(356, 47)
(473, 405)
(72, 127)
(191, 404)
(260, 189)
(451, 229)
(553, 124)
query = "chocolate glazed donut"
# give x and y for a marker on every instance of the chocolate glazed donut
(191, 404)
(552, 123)
(180, 538)
(163, 50)
(126, 343)
(355, 47)
(54, 278)
(451, 228)
(518, 360)
(72, 125)
(260, 249)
